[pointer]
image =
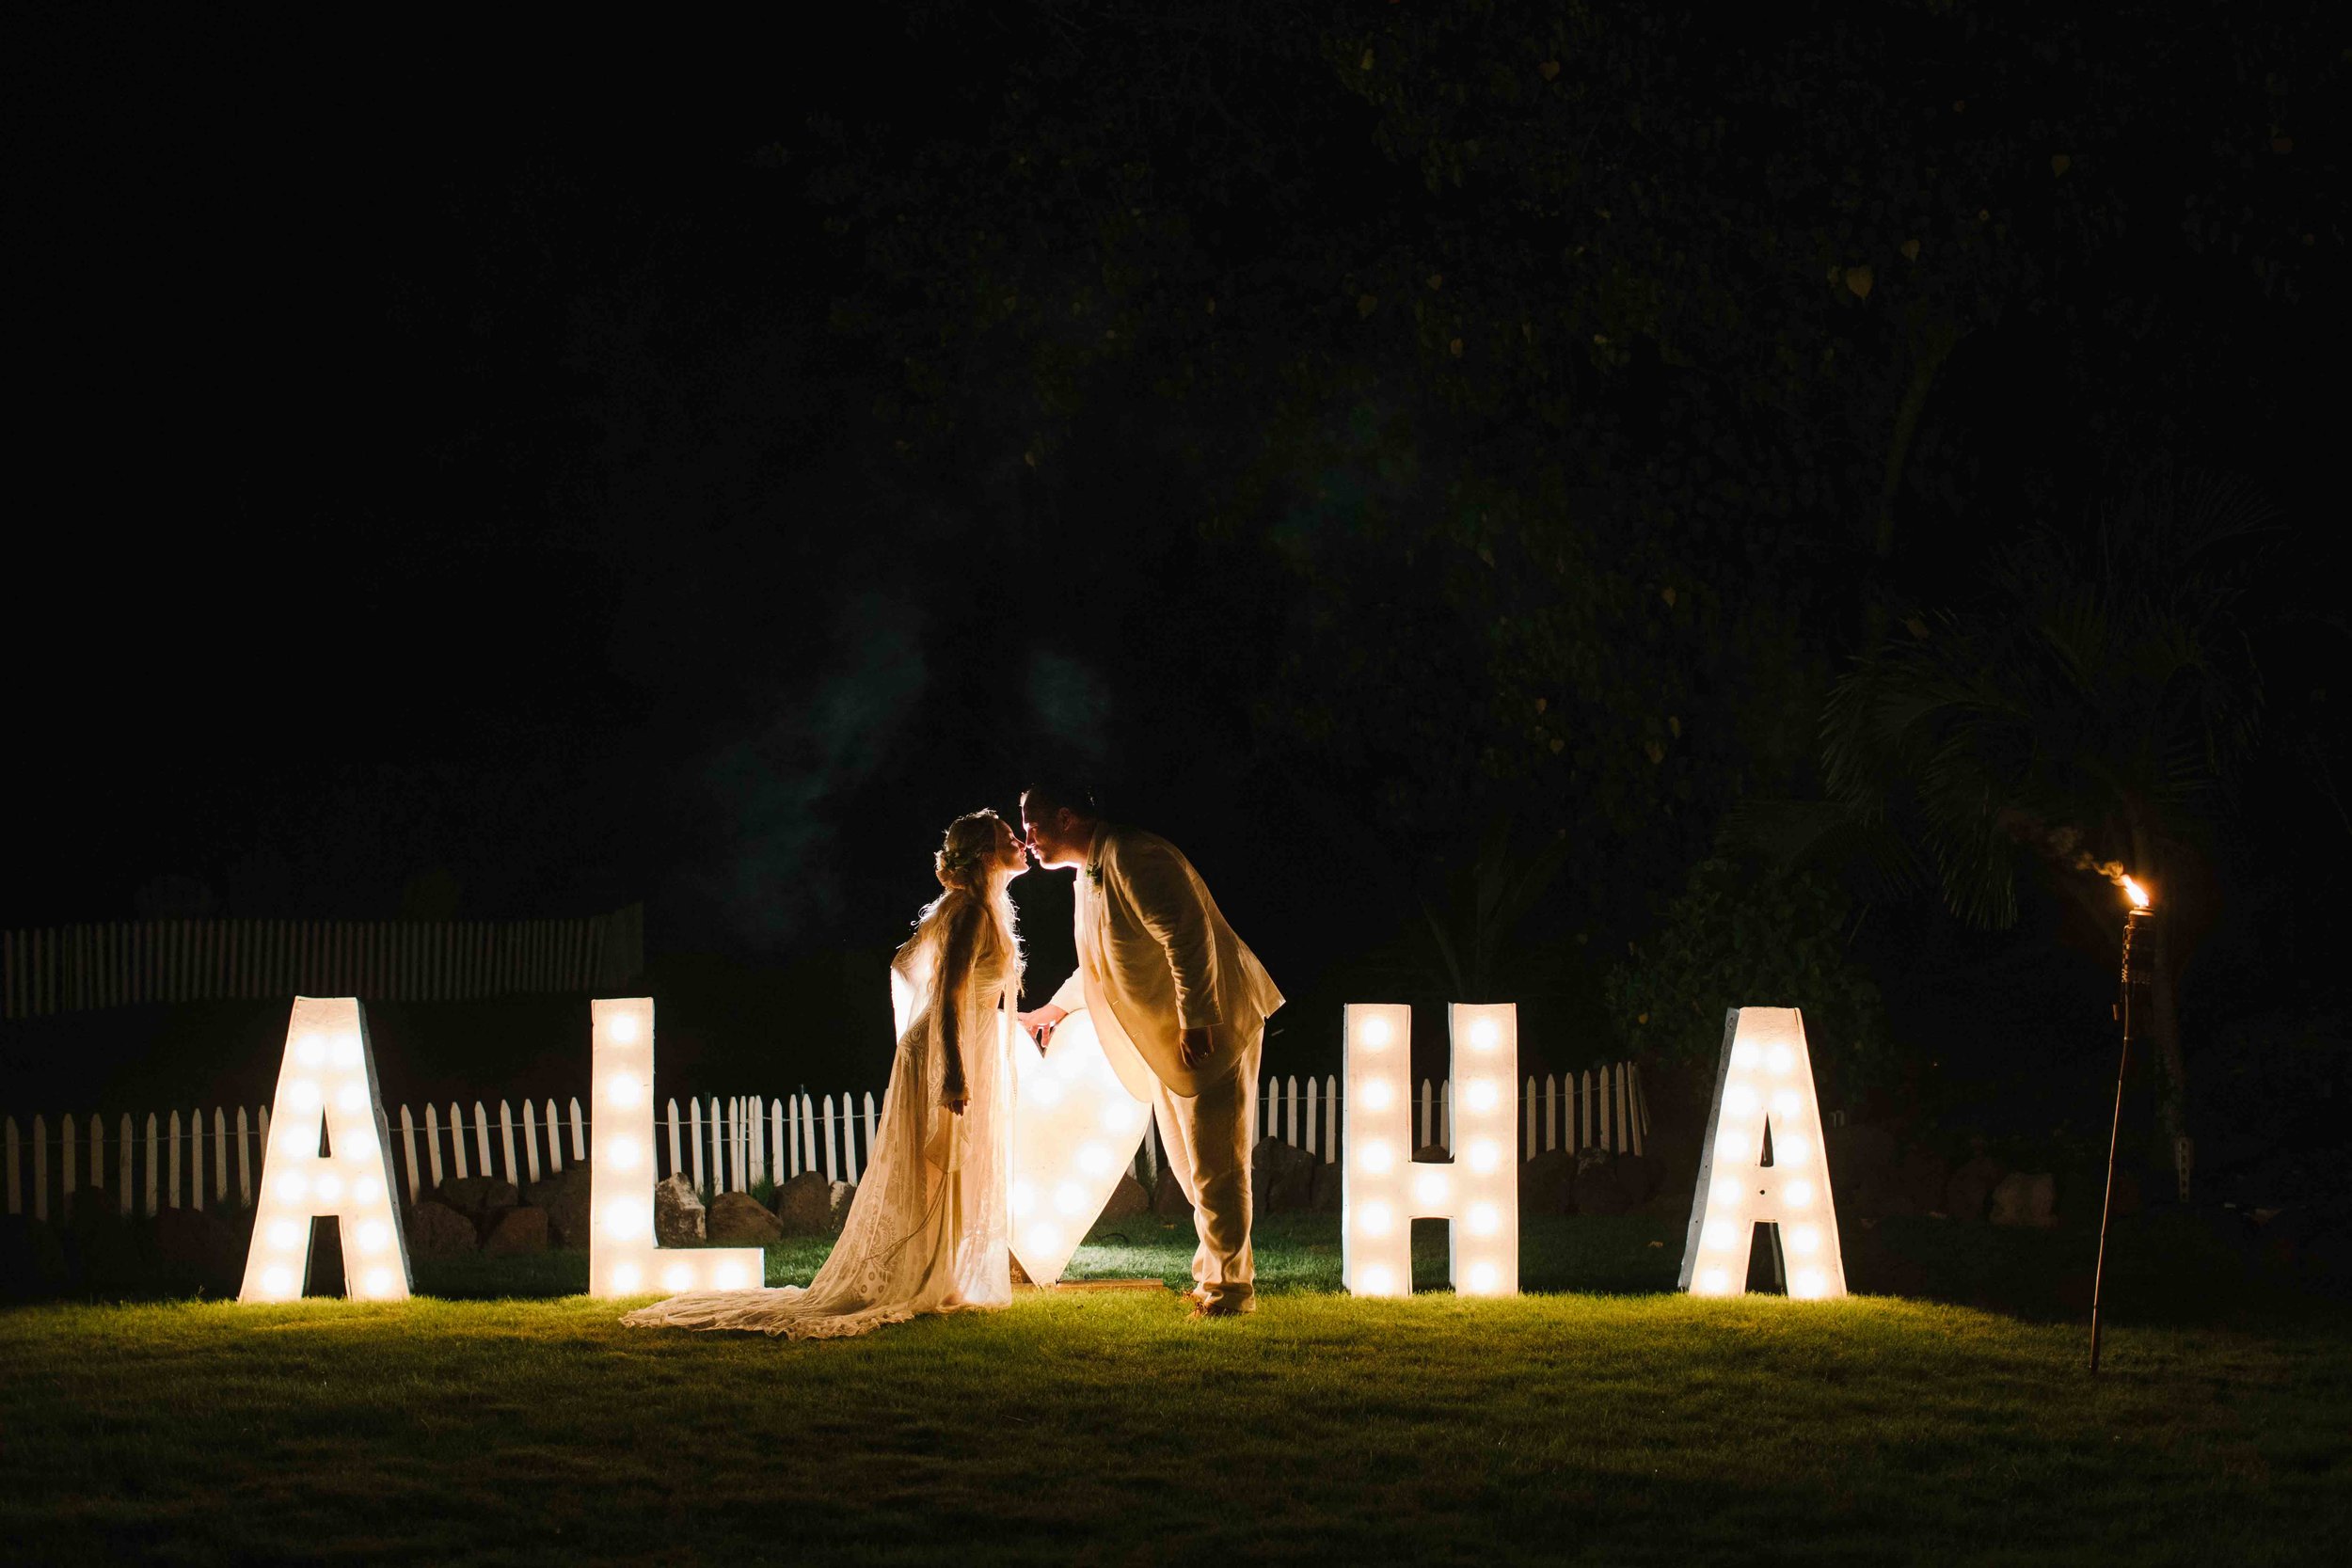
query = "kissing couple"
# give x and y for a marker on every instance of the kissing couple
(1163, 979)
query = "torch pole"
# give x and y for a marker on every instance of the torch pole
(2115, 1135)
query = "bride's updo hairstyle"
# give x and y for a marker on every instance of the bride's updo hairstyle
(964, 856)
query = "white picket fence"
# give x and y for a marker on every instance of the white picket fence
(1604, 1109)
(120, 963)
(162, 1160)
(720, 1145)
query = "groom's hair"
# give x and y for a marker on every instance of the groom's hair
(1050, 795)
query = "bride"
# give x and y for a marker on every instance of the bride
(926, 1230)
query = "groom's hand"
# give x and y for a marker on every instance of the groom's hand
(1040, 1024)
(1196, 1045)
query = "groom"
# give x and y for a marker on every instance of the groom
(1160, 972)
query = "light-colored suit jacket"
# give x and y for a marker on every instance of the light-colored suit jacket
(1156, 957)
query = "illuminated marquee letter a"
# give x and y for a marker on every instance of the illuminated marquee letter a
(1764, 1083)
(327, 1082)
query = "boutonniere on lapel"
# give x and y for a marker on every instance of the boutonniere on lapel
(1095, 872)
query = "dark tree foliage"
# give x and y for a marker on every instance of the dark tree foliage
(1784, 942)
(1600, 373)
(2089, 719)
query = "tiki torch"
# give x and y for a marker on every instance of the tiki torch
(2139, 912)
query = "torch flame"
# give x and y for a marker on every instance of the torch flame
(2132, 890)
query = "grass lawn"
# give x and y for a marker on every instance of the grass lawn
(1622, 1427)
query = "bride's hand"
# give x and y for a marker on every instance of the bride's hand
(1038, 1026)
(954, 1099)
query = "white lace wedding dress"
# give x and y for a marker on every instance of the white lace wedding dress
(926, 1232)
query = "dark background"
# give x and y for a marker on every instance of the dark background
(516, 515)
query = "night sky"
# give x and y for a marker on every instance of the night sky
(492, 518)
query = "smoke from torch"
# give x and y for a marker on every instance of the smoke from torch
(2065, 844)
(2113, 871)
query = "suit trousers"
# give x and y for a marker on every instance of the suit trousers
(1208, 1137)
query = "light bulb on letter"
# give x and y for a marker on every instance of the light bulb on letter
(1374, 1220)
(625, 1090)
(285, 1234)
(1718, 1235)
(293, 1187)
(1484, 1278)
(1375, 1156)
(1739, 1099)
(1791, 1148)
(1809, 1284)
(1429, 1189)
(1024, 1200)
(1804, 1238)
(303, 1094)
(1375, 1281)
(1787, 1102)
(1779, 1059)
(1484, 1220)
(1483, 1095)
(277, 1280)
(1068, 1199)
(312, 1051)
(623, 1153)
(627, 1277)
(1375, 1034)
(622, 1029)
(1714, 1282)
(1485, 1035)
(623, 1219)
(1797, 1195)
(727, 1276)
(1043, 1237)
(1380, 1094)
(1094, 1159)
(372, 1237)
(1484, 1155)
(378, 1282)
(677, 1277)
(331, 1186)
(352, 1097)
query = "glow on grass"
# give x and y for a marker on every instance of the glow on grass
(622, 1253)
(1380, 1191)
(1737, 1191)
(326, 1094)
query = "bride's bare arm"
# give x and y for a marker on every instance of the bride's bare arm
(955, 966)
